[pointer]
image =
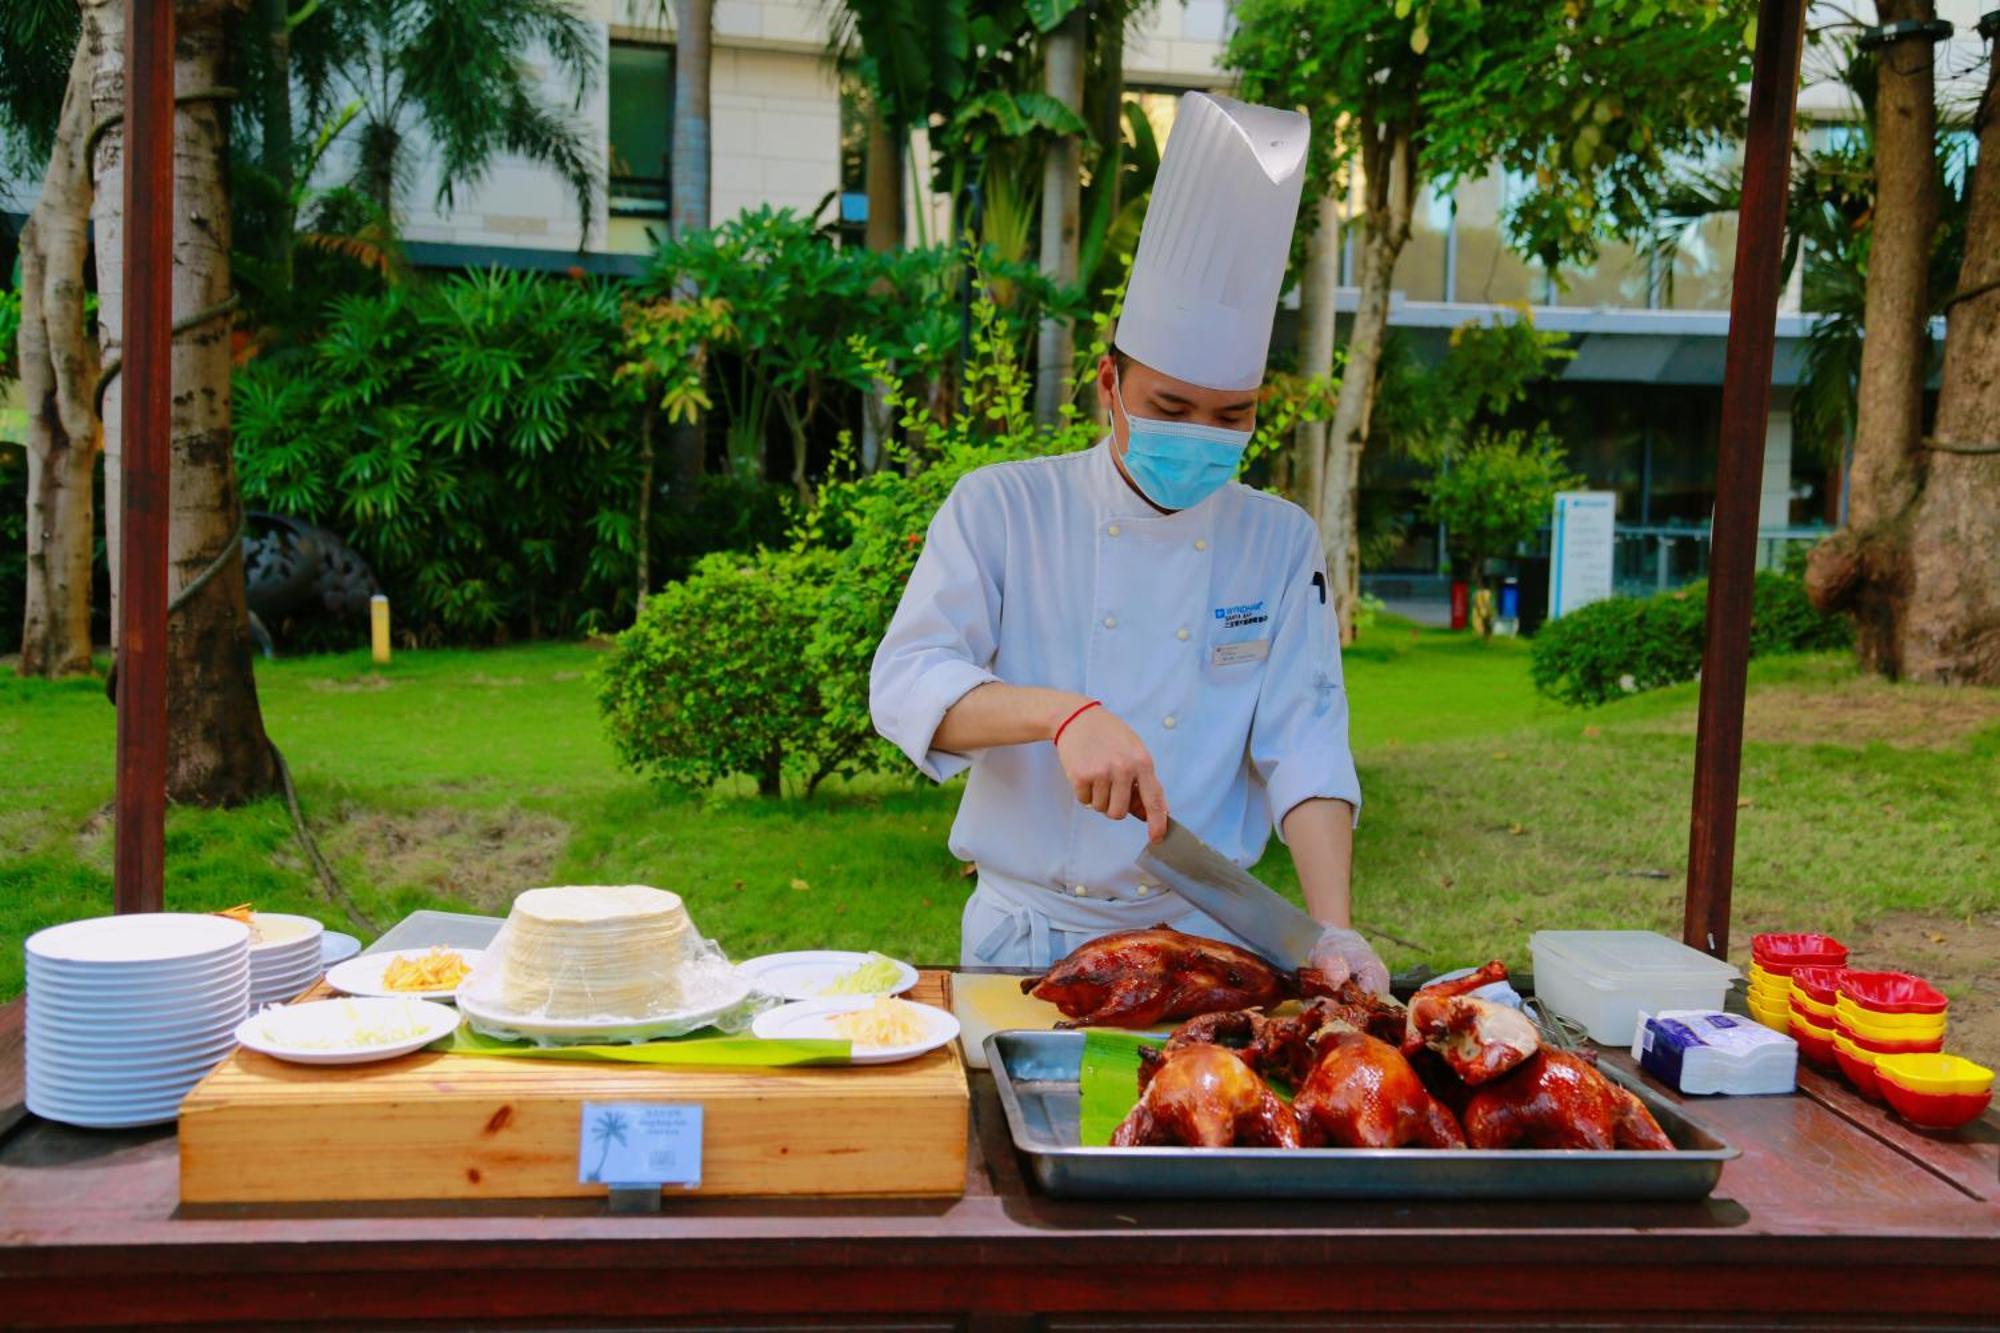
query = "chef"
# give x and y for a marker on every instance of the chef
(1109, 637)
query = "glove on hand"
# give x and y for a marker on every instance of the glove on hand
(1342, 953)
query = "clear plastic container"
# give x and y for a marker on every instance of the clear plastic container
(1604, 979)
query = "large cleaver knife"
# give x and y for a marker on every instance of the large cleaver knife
(1205, 877)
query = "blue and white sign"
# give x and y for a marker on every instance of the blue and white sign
(640, 1144)
(1581, 550)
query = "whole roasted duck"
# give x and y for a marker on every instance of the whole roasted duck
(1141, 978)
(1202, 1096)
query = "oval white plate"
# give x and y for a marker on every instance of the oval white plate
(805, 974)
(337, 947)
(585, 1030)
(363, 975)
(139, 940)
(811, 1020)
(278, 1032)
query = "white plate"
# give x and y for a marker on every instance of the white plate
(584, 1029)
(159, 1113)
(107, 980)
(811, 1020)
(147, 1010)
(119, 1079)
(138, 939)
(363, 975)
(805, 974)
(279, 1032)
(111, 1043)
(337, 947)
(293, 931)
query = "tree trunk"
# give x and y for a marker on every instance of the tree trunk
(689, 188)
(643, 556)
(1062, 79)
(217, 753)
(1864, 569)
(105, 19)
(273, 27)
(1951, 631)
(1317, 286)
(58, 378)
(1388, 187)
(884, 235)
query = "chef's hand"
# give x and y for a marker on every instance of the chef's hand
(1342, 953)
(1111, 770)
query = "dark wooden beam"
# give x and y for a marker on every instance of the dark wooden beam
(1739, 470)
(147, 335)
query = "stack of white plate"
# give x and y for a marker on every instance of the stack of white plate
(127, 1013)
(284, 957)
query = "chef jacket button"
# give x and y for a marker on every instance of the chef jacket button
(1078, 890)
(1144, 890)
(1200, 544)
(1181, 634)
(1111, 622)
(1169, 722)
(1111, 531)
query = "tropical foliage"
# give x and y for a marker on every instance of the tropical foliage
(468, 439)
(1623, 645)
(462, 74)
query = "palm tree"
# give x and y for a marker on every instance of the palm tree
(457, 73)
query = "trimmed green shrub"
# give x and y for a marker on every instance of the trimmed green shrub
(1624, 645)
(708, 683)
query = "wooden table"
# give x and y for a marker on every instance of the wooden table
(1834, 1214)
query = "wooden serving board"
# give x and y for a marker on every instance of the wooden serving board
(430, 1126)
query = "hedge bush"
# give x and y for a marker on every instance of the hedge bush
(1628, 644)
(708, 682)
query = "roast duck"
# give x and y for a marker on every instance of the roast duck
(1449, 1071)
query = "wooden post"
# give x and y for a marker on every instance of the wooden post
(138, 868)
(1739, 470)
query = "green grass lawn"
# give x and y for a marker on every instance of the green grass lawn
(457, 778)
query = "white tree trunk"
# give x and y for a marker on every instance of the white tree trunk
(217, 753)
(58, 377)
(107, 220)
(1317, 286)
(1388, 187)
(1062, 183)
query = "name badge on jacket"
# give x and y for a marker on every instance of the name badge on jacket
(1250, 650)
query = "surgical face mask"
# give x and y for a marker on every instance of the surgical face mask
(1178, 464)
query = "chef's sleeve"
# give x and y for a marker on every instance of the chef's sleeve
(942, 638)
(1298, 738)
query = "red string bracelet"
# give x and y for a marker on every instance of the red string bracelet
(1057, 738)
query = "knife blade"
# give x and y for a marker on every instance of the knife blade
(1233, 896)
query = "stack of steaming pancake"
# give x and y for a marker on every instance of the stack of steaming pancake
(586, 951)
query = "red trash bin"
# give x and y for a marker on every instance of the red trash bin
(1461, 604)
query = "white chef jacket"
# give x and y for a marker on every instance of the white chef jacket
(1208, 631)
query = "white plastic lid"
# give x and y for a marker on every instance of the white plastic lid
(1636, 955)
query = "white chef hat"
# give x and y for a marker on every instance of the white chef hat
(1211, 261)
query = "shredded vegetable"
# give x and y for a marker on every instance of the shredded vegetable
(440, 969)
(887, 1022)
(873, 977)
(343, 1025)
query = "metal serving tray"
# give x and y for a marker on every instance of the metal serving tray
(1037, 1077)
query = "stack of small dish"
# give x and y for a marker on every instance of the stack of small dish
(1884, 1013)
(1812, 1004)
(127, 1013)
(1773, 959)
(284, 957)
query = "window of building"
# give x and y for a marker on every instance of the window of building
(1486, 270)
(1621, 277)
(640, 86)
(1423, 270)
